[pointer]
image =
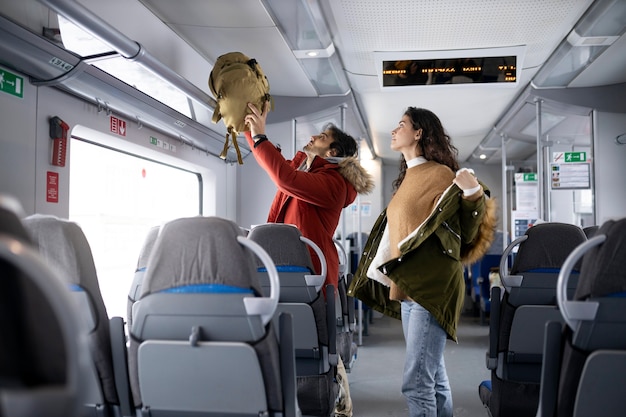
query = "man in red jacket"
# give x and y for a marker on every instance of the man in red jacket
(313, 188)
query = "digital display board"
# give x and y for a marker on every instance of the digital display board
(492, 69)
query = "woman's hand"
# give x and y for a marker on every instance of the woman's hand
(256, 119)
(466, 181)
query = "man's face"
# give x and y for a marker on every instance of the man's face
(320, 144)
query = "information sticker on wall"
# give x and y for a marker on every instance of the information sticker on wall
(52, 187)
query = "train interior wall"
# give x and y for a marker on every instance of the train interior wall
(610, 166)
(26, 151)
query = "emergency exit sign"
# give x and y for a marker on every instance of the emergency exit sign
(575, 156)
(11, 83)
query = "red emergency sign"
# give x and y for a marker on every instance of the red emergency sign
(118, 126)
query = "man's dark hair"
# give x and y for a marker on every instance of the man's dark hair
(343, 144)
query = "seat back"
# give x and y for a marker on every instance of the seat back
(64, 246)
(518, 319)
(314, 315)
(42, 354)
(590, 230)
(10, 219)
(202, 337)
(585, 366)
(140, 271)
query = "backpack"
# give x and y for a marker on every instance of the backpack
(235, 81)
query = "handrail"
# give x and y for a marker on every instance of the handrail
(345, 260)
(263, 306)
(515, 280)
(575, 311)
(317, 280)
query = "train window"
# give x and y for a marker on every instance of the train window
(131, 72)
(116, 198)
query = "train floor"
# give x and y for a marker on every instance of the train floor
(376, 376)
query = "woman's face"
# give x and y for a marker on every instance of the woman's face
(404, 138)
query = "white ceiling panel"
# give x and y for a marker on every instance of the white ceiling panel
(426, 25)
(609, 68)
(211, 13)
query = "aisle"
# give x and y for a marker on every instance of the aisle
(376, 378)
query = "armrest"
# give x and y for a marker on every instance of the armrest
(332, 325)
(494, 329)
(288, 365)
(351, 316)
(550, 370)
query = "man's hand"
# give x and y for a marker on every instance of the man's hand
(256, 120)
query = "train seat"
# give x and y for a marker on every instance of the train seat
(42, 355)
(10, 221)
(314, 315)
(346, 323)
(519, 312)
(140, 271)
(590, 230)
(488, 263)
(202, 341)
(584, 371)
(471, 274)
(63, 244)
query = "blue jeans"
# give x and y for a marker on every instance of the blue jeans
(425, 382)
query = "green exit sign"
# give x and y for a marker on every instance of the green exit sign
(11, 83)
(575, 156)
(530, 176)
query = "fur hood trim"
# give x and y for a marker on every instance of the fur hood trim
(352, 170)
(486, 233)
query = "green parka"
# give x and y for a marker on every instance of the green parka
(430, 266)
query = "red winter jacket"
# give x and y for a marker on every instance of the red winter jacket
(312, 200)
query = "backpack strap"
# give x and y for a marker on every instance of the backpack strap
(231, 132)
(216, 114)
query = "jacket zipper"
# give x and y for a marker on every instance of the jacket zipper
(445, 224)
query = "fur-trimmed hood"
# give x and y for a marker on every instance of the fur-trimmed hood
(352, 170)
(485, 236)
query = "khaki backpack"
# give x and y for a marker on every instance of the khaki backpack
(235, 81)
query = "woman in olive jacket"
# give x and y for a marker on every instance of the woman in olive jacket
(412, 268)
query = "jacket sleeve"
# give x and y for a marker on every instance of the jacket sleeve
(324, 188)
(471, 215)
(478, 223)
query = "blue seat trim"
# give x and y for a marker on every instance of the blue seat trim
(75, 288)
(486, 384)
(287, 268)
(617, 295)
(142, 269)
(208, 289)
